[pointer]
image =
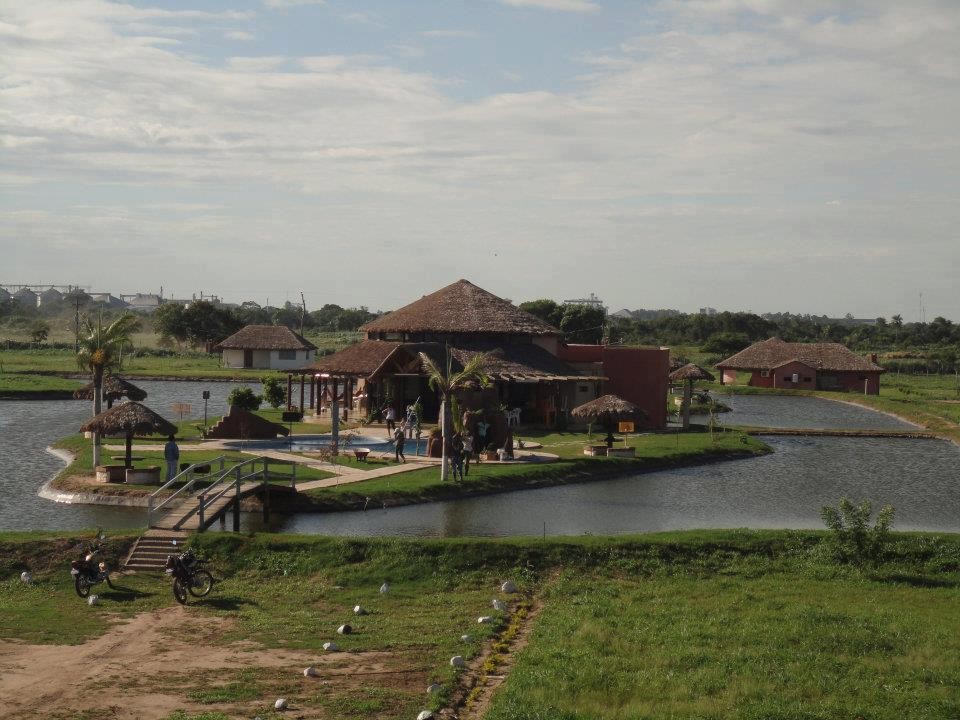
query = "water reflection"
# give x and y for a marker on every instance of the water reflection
(782, 411)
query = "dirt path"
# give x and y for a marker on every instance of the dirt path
(136, 670)
(489, 670)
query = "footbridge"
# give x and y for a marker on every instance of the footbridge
(202, 495)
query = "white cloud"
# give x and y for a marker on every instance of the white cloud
(450, 33)
(238, 35)
(722, 138)
(561, 5)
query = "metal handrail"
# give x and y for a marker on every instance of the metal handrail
(151, 508)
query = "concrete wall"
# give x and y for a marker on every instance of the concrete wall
(268, 359)
(839, 381)
(635, 374)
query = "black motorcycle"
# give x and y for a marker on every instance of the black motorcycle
(188, 576)
(88, 569)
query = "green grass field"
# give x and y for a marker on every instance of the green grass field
(13, 385)
(696, 625)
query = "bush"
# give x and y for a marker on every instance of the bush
(853, 539)
(274, 392)
(243, 398)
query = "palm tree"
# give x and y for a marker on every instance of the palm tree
(446, 383)
(99, 350)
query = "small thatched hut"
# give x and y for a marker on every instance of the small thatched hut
(114, 388)
(609, 410)
(127, 420)
(689, 374)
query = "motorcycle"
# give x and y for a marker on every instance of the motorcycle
(188, 576)
(88, 570)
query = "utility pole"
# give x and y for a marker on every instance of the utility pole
(303, 310)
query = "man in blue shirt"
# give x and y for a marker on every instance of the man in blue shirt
(171, 453)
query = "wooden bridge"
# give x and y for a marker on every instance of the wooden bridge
(207, 495)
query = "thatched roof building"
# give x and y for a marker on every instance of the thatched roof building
(266, 347)
(609, 409)
(459, 308)
(824, 366)
(265, 337)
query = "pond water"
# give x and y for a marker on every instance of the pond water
(309, 443)
(783, 490)
(29, 426)
(810, 413)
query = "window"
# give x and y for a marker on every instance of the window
(764, 373)
(288, 354)
(787, 378)
(806, 379)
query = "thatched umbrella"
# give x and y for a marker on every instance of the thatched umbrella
(129, 419)
(114, 388)
(688, 374)
(609, 410)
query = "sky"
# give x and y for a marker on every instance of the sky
(764, 155)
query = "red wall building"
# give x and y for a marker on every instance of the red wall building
(635, 374)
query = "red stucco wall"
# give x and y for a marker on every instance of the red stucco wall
(635, 374)
(847, 381)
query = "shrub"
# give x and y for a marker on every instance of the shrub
(274, 392)
(243, 398)
(853, 538)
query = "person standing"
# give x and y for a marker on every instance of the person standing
(390, 415)
(398, 440)
(171, 454)
(467, 452)
(482, 428)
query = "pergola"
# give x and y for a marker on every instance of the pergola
(114, 387)
(129, 419)
(689, 374)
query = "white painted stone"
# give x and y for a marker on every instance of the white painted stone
(93, 600)
(331, 647)
(385, 588)
(457, 661)
(359, 610)
(310, 672)
(26, 577)
(280, 704)
(344, 629)
(425, 715)
(466, 638)
(484, 619)
(508, 587)
(435, 688)
(499, 605)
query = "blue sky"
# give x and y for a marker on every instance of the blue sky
(741, 154)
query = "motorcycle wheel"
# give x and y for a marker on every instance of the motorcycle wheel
(200, 583)
(82, 586)
(179, 592)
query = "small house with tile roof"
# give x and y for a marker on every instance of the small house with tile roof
(527, 360)
(774, 363)
(266, 347)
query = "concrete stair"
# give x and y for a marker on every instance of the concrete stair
(149, 553)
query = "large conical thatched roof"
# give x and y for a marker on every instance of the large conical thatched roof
(114, 388)
(129, 418)
(690, 371)
(461, 307)
(608, 408)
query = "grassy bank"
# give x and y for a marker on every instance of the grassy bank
(706, 624)
(654, 452)
(16, 386)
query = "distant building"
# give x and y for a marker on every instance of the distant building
(26, 297)
(142, 302)
(774, 363)
(708, 311)
(107, 300)
(49, 296)
(266, 347)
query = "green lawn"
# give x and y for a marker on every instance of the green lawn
(19, 385)
(654, 451)
(82, 465)
(694, 626)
